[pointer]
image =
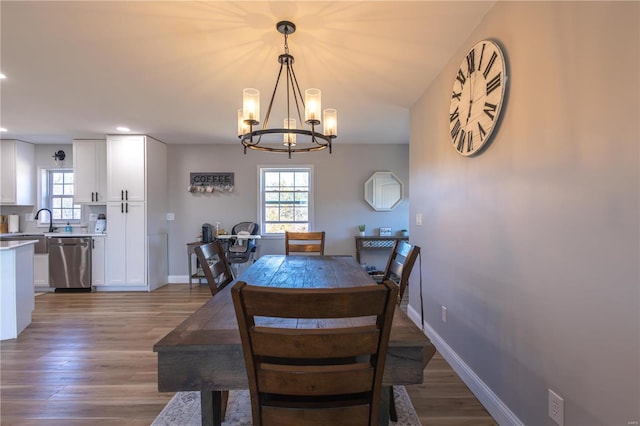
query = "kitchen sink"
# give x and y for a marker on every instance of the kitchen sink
(41, 247)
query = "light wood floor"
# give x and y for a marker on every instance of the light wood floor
(87, 359)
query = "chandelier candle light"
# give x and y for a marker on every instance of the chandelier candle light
(249, 115)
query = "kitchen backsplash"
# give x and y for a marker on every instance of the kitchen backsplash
(86, 224)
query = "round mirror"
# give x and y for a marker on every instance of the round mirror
(383, 191)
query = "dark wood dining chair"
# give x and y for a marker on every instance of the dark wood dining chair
(399, 266)
(215, 265)
(304, 242)
(217, 272)
(315, 375)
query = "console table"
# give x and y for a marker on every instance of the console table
(375, 243)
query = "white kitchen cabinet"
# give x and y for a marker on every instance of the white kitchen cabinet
(90, 169)
(97, 261)
(126, 167)
(136, 242)
(41, 270)
(17, 168)
(126, 244)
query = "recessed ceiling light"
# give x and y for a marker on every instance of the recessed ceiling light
(2, 76)
(123, 129)
(2, 129)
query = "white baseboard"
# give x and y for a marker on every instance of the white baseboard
(494, 405)
(178, 279)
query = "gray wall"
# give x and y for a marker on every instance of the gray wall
(339, 190)
(533, 245)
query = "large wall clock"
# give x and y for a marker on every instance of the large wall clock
(477, 98)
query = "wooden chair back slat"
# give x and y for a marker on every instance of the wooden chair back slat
(342, 342)
(343, 416)
(318, 376)
(313, 242)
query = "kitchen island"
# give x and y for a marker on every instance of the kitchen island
(17, 298)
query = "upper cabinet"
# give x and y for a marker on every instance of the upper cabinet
(126, 167)
(90, 168)
(17, 169)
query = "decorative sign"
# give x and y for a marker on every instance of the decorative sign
(210, 182)
(385, 232)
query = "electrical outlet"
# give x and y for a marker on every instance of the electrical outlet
(419, 219)
(444, 314)
(171, 216)
(556, 408)
(93, 217)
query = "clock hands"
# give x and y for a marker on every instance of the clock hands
(470, 78)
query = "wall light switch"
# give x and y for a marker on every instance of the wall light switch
(444, 314)
(171, 216)
(419, 219)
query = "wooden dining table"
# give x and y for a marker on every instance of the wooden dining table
(204, 353)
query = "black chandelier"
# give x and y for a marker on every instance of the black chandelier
(249, 115)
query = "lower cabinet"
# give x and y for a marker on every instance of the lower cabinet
(126, 244)
(98, 261)
(41, 270)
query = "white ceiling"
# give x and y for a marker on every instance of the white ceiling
(176, 70)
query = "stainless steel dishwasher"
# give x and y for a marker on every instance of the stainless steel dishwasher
(70, 263)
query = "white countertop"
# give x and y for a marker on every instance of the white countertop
(12, 245)
(52, 234)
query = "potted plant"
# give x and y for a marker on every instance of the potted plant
(404, 232)
(361, 228)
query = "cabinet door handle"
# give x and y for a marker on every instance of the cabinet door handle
(92, 196)
(126, 195)
(96, 196)
(93, 243)
(121, 207)
(127, 205)
(122, 195)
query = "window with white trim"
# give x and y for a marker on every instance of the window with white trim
(58, 191)
(286, 199)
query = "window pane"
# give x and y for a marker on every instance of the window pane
(67, 214)
(67, 203)
(57, 177)
(68, 178)
(56, 202)
(57, 214)
(58, 189)
(68, 190)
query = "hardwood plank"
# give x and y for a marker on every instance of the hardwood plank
(87, 358)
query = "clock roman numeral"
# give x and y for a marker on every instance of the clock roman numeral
(471, 62)
(455, 130)
(461, 78)
(490, 110)
(454, 115)
(494, 83)
(456, 96)
(481, 56)
(483, 133)
(461, 139)
(494, 55)
(470, 141)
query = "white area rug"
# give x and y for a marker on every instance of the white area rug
(184, 410)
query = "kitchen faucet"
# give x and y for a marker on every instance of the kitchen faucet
(51, 228)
